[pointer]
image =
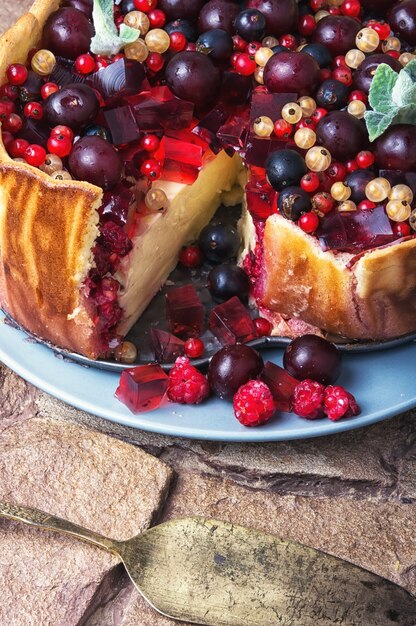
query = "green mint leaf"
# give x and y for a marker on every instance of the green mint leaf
(378, 123)
(380, 96)
(128, 34)
(406, 115)
(404, 91)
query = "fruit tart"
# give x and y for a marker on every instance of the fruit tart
(126, 124)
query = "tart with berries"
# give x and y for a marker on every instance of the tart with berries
(123, 124)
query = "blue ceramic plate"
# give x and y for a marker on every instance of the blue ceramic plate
(383, 383)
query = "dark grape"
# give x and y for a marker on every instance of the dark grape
(232, 367)
(85, 6)
(186, 9)
(228, 280)
(313, 357)
(285, 168)
(332, 94)
(97, 162)
(402, 19)
(250, 25)
(357, 182)
(320, 53)
(337, 33)
(292, 72)
(342, 134)
(281, 15)
(218, 42)
(396, 148)
(192, 76)
(293, 201)
(67, 33)
(365, 73)
(218, 14)
(74, 106)
(219, 242)
(30, 90)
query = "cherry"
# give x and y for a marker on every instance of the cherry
(296, 72)
(337, 33)
(232, 367)
(263, 327)
(68, 33)
(34, 110)
(309, 222)
(191, 256)
(85, 64)
(96, 161)
(35, 155)
(17, 74)
(312, 357)
(192, 76)
(194, 348)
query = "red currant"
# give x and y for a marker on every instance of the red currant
(309, 222)
(85, 64)
(306, 25)
(282, 129)
(382, 29)
(336, 172)
(65, 131)
(401, 229)
(7, 138)
(191, 256)
(150, 143)
(13, 123)
(17, 74)
(325, 74)
(245, 64)
(17, 148)
(366, 205)
(317, 5)
(145, 5)
(239, 43)
(310, 182)
(306, 122)
(35, 155)
(393, 53)
(151, 169)
(157, 18)
(48, 89)
(10, 92)
(343, 75)
(358, 95)
(34, 110)
(352, 8)
(194, 348)
(318, 114)
(351, 166)
(252, 47)
(263, 327)
(288, 41)
(6, 108)
(100, 62)
(334, 10)
(59, 145)
(177, 41)
(323, 202)
(365, 159)
(155, 61)
(339, 61)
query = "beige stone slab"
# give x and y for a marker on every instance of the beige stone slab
(11, 11)
(88, 478)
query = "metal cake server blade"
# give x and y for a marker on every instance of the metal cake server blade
(209, 572)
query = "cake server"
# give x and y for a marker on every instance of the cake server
(209, 572)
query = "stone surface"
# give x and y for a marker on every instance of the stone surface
(10, 11)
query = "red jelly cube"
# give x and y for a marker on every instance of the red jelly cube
(231, 323)
(123, 78)
(233, 133)
(122, 124)
(269, 104)
(166, 346)
(142, 388)
(182, 161)
(209, 126)
(261, 198)
(281, 384)
(185, 312)
(162, 110)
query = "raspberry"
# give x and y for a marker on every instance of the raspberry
(186, 384)
(339, 403)
(308, 399)
(254, 404)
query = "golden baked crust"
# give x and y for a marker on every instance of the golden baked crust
(374, 299)
(47, 228)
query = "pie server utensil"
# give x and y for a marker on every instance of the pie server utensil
(205, 571)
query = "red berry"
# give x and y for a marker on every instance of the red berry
(400, 229)
(85, 63)
(13, 123)
(10, 92)
(393, 53)
(100, 62)
(358, 95)
(7, 138)
(186, 384)
(63, 130)
(351, 166)
(245, 64)
(252, 47)
(194, 348)
(308, 399)
(150, 143)
(145, 5)
(190, 46)
(318, 5)
(325, 74)
(334, 10)
(306, 122)
(336, 172)
(282, 129)
(35, 155)
(254, 404)
(343, 75)
(6, 108)
(17, 148)
(239, 43)
(155, 61)
(288, 41)
(339, 61)
(233, 59)
(318, 114)
(310, 182)
(352, 8)
(306, 25)
(308, 222)
(152, 169)
(59, 145)
(157, 18)
(323, 202)
(263, 327)
(382, 29)
(48, 89)
(366, 205)
(177, 41)
(365, 159)
(339, 403)
(191, 256)
(34, 110)
(17, 74)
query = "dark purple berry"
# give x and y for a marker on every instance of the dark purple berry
(232, 367)
(285, 168)
(314, 358)
(292, 72)
(226, 281)
(97, 162)
(75, 106)
(250, 25)
(342, 134)
(67, 33)
(219, 242)
(192, 76)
